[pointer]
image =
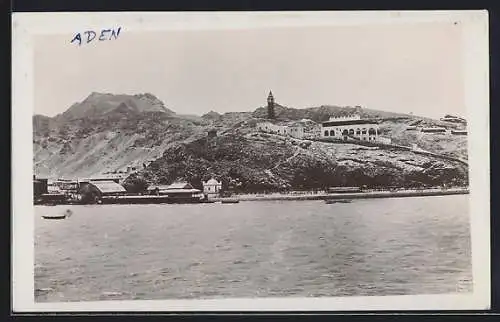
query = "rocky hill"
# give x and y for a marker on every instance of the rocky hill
(253, 162)
(108, 133)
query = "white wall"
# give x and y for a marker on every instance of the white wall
(212, 188)
(295, 131)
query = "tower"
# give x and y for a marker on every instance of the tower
(270, 106)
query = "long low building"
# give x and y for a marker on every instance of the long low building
(433, 130)
(293, 130)
(459, 132)
(94, 190)
(350, 126)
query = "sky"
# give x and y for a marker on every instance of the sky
(407, 68)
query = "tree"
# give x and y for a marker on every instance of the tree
(89, 193)
(134, 184)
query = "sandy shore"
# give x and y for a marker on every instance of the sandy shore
(356, 195)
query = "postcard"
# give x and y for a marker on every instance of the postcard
(250, 161)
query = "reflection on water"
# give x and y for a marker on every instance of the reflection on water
(254, 249)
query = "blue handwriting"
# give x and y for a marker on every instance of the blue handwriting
(89, 35)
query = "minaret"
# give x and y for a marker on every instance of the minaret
(270, 106)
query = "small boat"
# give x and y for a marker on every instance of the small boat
(54, 217)
(230, 201)
(331, 201)
(64, 215)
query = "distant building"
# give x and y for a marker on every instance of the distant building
(182, 191)
(351, 126)
(115, 178)
(53, 186)
(459, 132)
(93, 191)
(433, 130)
(108, 188)
(270, 106)
(312, 131)
(453, 119)
(175, 190)
(39, 187)
(212, 187)
(158, 189)
(296, 131)
(351, 117)
(273, 128)
(180, 185)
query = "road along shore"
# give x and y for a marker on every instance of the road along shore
(354, 195)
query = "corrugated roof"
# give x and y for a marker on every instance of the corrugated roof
(108, 186)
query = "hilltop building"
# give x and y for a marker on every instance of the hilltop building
(433, 130)
(270, 106)
(350, 126)
(295, 130)
(459, 132)
(272, 128)
(453, 119)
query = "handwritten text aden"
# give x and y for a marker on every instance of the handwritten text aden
(89, 35)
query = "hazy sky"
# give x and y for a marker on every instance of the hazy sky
(401, 68)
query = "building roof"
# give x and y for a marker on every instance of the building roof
(159, 187)
(433, 129)
(108, 186)
(173, 191)
(349, 122)
(180, 185)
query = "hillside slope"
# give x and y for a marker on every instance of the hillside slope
(254, 162)
(108, 133)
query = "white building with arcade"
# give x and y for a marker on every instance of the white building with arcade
(350, 126)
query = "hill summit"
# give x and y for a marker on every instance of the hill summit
(99, 104)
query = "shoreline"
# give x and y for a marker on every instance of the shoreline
(149, 200)
(351, 195)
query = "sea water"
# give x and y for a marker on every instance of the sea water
(399, 246)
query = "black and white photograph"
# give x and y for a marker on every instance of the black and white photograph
(215, 160)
